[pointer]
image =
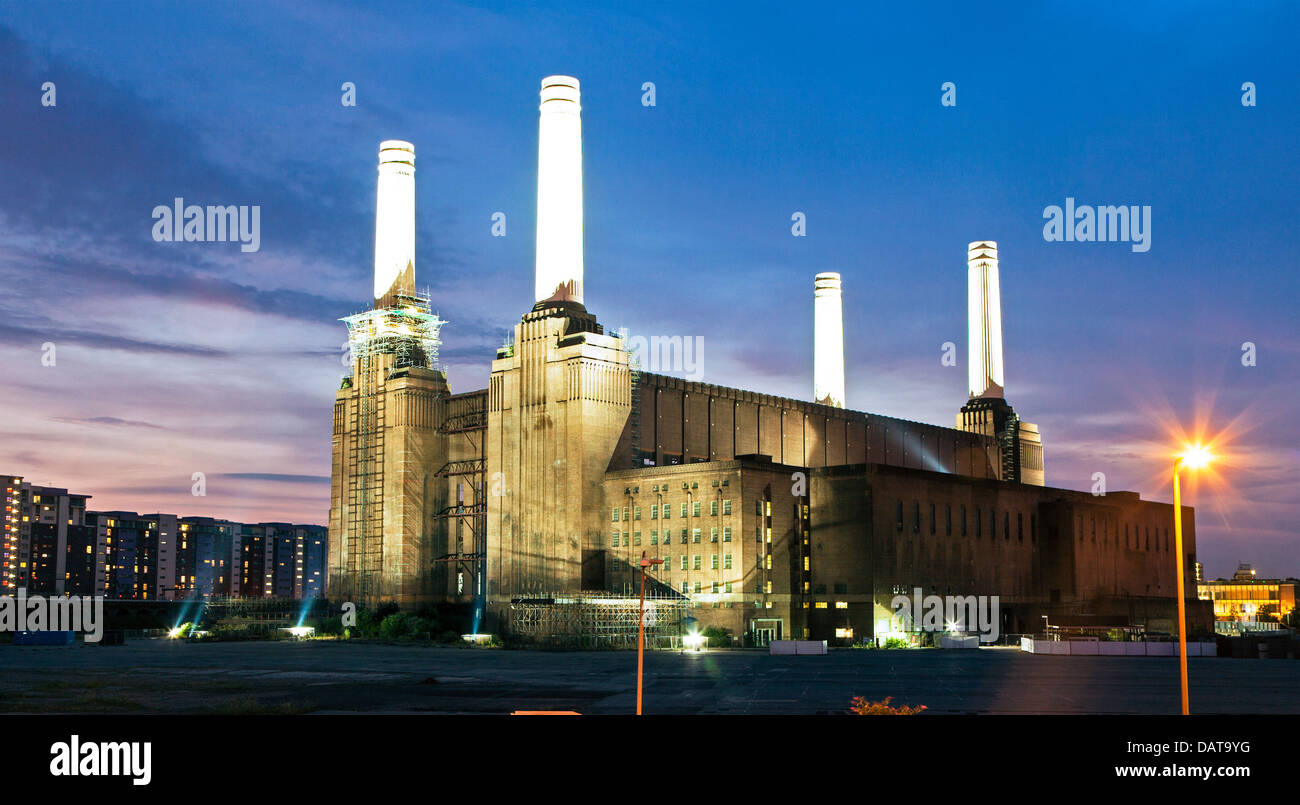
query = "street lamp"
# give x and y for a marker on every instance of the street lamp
(1194, 457)
(640, 635)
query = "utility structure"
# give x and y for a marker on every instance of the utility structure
(987, 412)
(386, 414)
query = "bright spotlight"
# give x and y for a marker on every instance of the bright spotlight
(174, 632)
(693, 641)
(1196, 456)
(302, 631)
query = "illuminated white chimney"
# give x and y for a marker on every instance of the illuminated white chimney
(559, 191)
(395, 220)
(828, 341)
(984, 325)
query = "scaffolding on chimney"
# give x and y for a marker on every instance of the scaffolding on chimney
(401, 335)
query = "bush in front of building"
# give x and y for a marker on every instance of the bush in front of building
(717, 637)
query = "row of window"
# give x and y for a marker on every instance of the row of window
(718, 587)
(696, 562)
(690, 509)
(978, 520)
(629, 538)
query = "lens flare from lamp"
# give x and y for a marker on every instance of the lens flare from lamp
(1196, 456)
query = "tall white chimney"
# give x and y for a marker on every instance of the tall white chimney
(559, 191)
(984, 323)
(828, 341)
(395, 220)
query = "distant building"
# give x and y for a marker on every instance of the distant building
(47, 547)
(1246, 602)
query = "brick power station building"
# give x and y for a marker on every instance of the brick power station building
(538, 495)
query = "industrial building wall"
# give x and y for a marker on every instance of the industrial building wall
(683, 421)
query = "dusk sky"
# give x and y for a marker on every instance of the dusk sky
(176, 358)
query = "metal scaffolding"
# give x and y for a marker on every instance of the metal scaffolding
(402, 335)
(469, 422)
(593, 619)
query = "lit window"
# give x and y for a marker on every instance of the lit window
(841, 604)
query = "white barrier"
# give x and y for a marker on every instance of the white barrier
(948, 641)
(797, 647)
(1030, 645)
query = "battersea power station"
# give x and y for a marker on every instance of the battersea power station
(535, 498)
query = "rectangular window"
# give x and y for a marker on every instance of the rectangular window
(933, 525)
(713, 562)
(715, 588)
(767, 561)
(684, 509)
(684, 536)
(654, 511)
(767, 587)
(758, 508)
(686, 586)
(713, 508)
(900, 515)
(1006, 526)
(726, 506)
(993, 524)
(668, 511)
(726, 533)
(726, 563)
(654, 537)
(636, 537)
(727, 587)
(767, 505)
(948, 520)
(713, 534)
(963, 520)
(636, 513)
(1020, 527)
(614, 539)
(614, 518)
(697, 586)
(685, 560)
(697, 562)
(695, 509)
(695, 535)
(916, 517)
(624, 512)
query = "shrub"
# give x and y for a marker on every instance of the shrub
(395, 625)
(717, 637)
(882, 708)
(897, 642)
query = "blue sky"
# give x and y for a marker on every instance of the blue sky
(182, 358)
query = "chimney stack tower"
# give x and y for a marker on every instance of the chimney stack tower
(828, 341)
(559, 192)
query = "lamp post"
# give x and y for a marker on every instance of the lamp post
(640, 635)
(1194, 457)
